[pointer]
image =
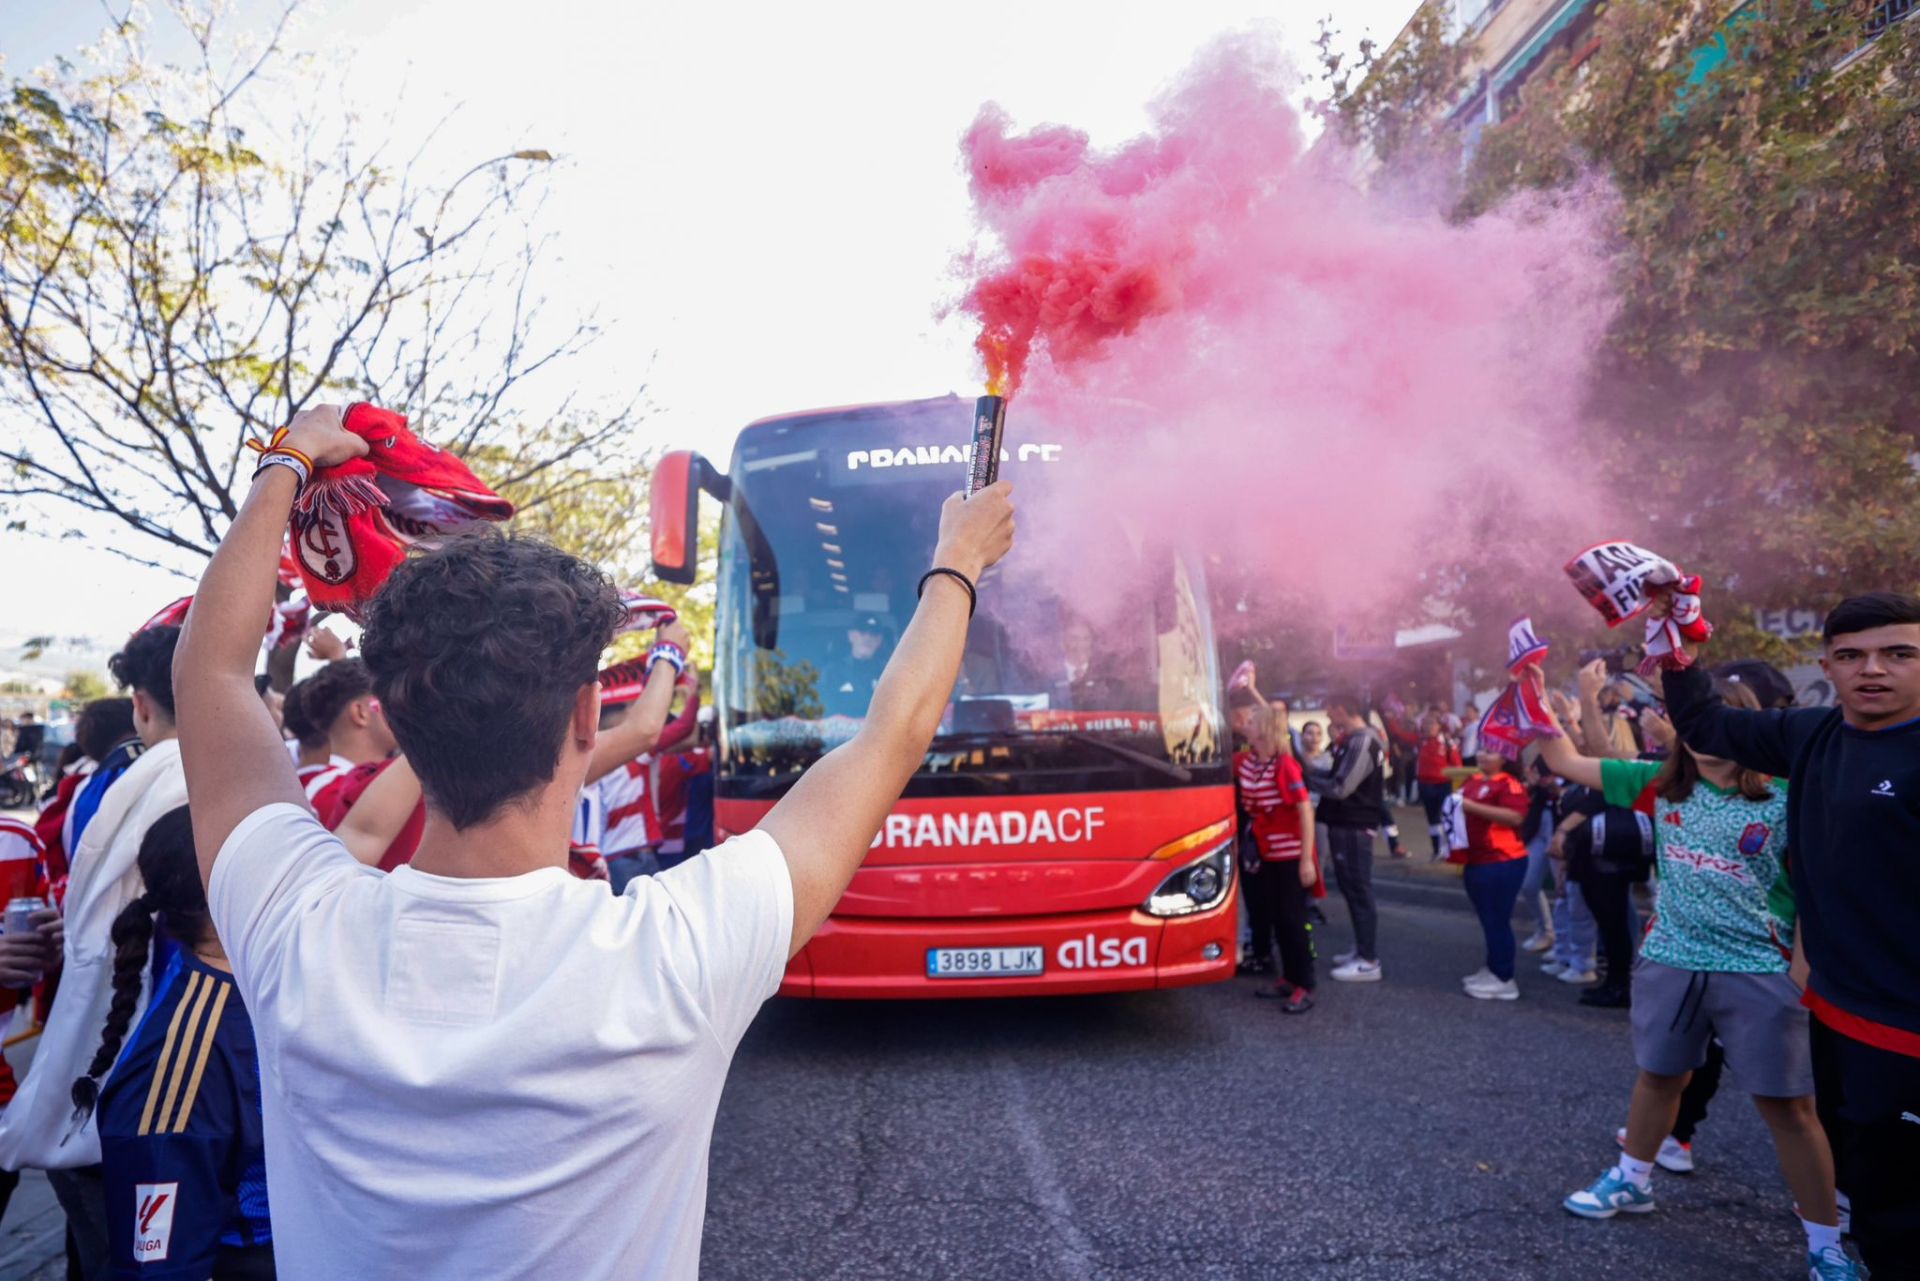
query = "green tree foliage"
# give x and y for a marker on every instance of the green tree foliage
(84, 686)
(172, 282)
(1760, 392)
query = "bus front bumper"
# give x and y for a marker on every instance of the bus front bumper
(1119, 950)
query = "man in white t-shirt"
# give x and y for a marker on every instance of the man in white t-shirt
(478, 1065)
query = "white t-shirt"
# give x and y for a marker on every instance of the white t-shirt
(501, 1077)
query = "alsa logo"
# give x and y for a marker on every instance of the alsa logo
(153, 1220)
(1069, 826)
(1090, 953)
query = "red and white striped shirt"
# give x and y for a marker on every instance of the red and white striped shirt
(1270, 793)
(632, 819)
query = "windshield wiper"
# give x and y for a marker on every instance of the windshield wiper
(995, 738)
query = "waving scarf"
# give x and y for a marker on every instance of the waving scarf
(353, 523)
(644, 612)
(1517, 716)
(1620, 580)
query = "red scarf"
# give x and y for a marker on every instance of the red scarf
(353, 523)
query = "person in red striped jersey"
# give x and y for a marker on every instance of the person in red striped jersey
(1273, 794)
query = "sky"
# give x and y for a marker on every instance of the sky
(761, 203)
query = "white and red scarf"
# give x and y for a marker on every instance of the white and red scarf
(1621, 580)
(1518, 717)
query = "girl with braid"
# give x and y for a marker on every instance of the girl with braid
(180, 1131)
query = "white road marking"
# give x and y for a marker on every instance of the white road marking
(1074, 1253)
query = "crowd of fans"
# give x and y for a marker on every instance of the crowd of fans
(146, 1073)
(435, 940)
(1735, 871)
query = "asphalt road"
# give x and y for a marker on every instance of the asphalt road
(1399, 1130)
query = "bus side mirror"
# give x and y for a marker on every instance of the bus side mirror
(674, 517)
(674, 512)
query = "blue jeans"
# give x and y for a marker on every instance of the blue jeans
(1530, 901)
(1574, 931)
(1491, 888)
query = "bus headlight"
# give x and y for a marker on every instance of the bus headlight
(1197, 887)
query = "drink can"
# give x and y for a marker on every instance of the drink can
(19, 917)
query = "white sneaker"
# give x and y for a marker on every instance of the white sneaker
(1480, 975)
(1538, 941)
(1673, 1154)
(1577, 976)
(1553, 966)
(1494, 990)
(1357, 971)
(1347, 957)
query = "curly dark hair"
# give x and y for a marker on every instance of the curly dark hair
(477, 652)
(103, 723)
(323, 696)
(145, 663)
(173, 893)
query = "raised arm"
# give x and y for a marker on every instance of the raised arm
(234, 759)
(1758, 740)
(382, 810)
(1594, 732)
(826, 823)
(1557, 750)
(640, 731)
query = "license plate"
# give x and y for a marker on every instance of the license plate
(983, 962)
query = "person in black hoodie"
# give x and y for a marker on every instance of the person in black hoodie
(1854, 824)
(1352, 796)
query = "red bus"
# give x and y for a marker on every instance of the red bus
(1072, 827)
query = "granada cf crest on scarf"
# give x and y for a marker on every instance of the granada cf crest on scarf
(353, 523)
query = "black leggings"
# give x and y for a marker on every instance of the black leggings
(1277, 909)
(1701, 1087)
(1607, 895)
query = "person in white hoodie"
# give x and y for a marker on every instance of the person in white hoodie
(39, 1129)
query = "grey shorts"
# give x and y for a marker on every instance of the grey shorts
(1757, 1017)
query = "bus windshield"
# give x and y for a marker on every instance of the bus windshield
(831, 522)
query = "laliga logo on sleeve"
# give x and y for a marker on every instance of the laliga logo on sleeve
(1090, 953)
(153, 1220)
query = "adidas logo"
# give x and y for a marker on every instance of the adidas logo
(1885, 789)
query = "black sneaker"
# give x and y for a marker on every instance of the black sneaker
(1607, 998)
(1254, 967)
(1299, 1001)
(1281, 991)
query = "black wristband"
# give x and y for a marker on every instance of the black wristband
(973, 598)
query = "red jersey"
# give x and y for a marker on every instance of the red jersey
(22, 875)
(1436, 755)
(50, 827)
(334, 795)
(1270, 793)
(1487, 841)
